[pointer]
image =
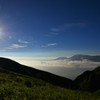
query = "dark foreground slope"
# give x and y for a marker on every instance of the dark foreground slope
(13, 66)
(89, 80)
(15, 86)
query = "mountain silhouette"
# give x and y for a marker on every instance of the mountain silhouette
(13, 66)
(80, 57)
(87, 57)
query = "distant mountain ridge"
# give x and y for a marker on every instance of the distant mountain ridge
(87, 57)
(80, 57)
(88, 81)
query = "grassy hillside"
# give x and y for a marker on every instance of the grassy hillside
(19, 87)
(89, 80)
(15, 67)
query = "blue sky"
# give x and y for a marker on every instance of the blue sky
(49, 27)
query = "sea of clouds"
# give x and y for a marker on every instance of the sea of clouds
(66, 68)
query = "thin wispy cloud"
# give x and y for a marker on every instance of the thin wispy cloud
(67, 26)
(24, 42)
(16, 46)
(13, 46)
(63, 28)
(50, 45)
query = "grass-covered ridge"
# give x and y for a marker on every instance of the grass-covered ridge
(89, 80)
(19, 87)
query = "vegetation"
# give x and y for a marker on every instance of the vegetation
(19, 87)
(18, 82)
(89, 80)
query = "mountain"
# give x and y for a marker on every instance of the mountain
(89, 80)
(80, 57)
(15, 67)
(87, 57)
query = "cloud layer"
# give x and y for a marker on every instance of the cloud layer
(67, 68)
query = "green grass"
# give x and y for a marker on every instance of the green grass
(18, 87)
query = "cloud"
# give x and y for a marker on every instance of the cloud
(19, 44)
(81, 65)
(50, 44)
(16, 46)
(66, 26)
(24, 42)
(67, 68)
(63, 28)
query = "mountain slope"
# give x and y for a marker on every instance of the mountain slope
(89, 80)
(13, 66)
(15, 86)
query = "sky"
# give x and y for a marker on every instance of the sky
(35, 32)
(49, 28)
